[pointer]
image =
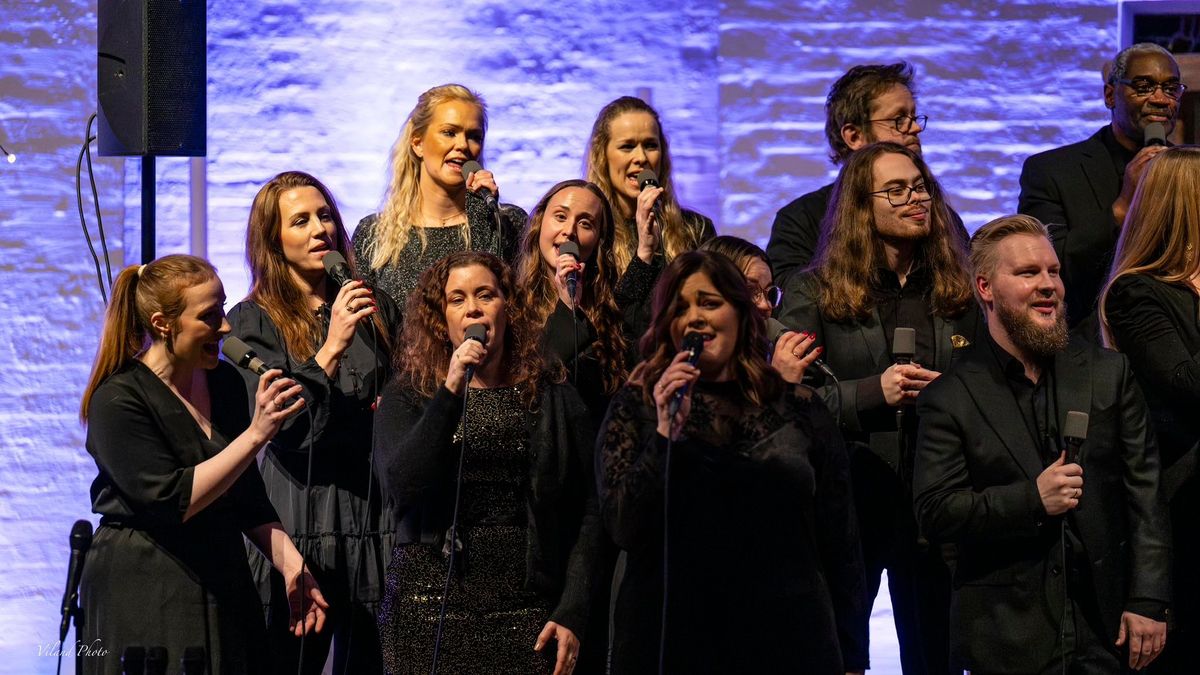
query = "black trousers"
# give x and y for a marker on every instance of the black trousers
(918, 578)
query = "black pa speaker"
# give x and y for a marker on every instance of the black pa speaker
(151, 77)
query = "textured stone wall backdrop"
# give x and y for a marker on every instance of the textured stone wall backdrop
(325, 87)
(999, 82)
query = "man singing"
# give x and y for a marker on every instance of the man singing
(1060, 560)
(1083, 190)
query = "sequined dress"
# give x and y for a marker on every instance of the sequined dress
(491, 620)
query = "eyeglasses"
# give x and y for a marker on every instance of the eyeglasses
(1145, 87)
(900, 195)
(907, 123)
(773, 294)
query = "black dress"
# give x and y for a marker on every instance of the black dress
(765, 573)
(527, 527)
(348, 536)
(1157, 325)
(401, 278)
(152, 579)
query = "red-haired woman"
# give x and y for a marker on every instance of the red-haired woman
(527, 524)
(169, 429)
(335, 342)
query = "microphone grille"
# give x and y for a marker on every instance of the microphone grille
(647, 178)
(332, 260)
(570, 248)
(775, 330)
(1076, 425)
(693, 342)
(236, 351)
(469, 168)
(477, 332)
(1154, 134)
(81, 535)
(904, 342)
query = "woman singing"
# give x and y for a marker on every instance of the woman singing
(527, 525)
(334, 342)
(765, 573)
(627, 138)
(168, 426)
(1150, 310)
(584, 332)
(431, 209)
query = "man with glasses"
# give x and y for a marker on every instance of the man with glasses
(1082, 191)
(889, 261)
(868, 104)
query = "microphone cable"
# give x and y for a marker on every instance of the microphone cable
(86, 151)
(307, 522)
(362, 531)
(662, 633)
(453, 534)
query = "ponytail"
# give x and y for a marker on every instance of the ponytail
(139, 293)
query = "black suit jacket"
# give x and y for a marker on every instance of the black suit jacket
(797, 229)
(859, 350)
(1072, 189)
(975, 485)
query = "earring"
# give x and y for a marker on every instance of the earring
(1188, 254)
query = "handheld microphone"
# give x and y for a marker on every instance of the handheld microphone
(904, 345)
(648, 178)
(241, 355)
(572, 249)
(479, 333)
(776, 329)
(337, 268)
(693, 344)
(81, 541)
(1075, 433)
(472, 167)
(1154, 134)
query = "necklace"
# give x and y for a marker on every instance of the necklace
(444, 221)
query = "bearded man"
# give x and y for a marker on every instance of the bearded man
(1063, 562)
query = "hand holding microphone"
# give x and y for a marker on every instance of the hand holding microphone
(903, 381)
(648, 215)
(794, 352)
(466, 358)
(277, 397)
(672, 393)
(567, 274)
(481, 182)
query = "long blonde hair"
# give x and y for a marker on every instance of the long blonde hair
(140, 292)
(402, 203)
(1161, 233)
(677, 237)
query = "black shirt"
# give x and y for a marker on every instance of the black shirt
(1121, 156)
(1036, 401)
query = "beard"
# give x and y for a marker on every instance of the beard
(1039, 341)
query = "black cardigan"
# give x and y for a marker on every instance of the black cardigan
(415, 457)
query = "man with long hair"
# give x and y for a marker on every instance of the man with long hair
(889, 258)
(868, 104)
(1082, 191)
(1063, 548)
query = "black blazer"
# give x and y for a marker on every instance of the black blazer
(975, 485)
(1157, 325)
(1072, 189)
(859, 350)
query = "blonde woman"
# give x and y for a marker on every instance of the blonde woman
(432, 208)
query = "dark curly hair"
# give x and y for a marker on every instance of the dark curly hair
(423, 357)
(597, 301)
(758, 381)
